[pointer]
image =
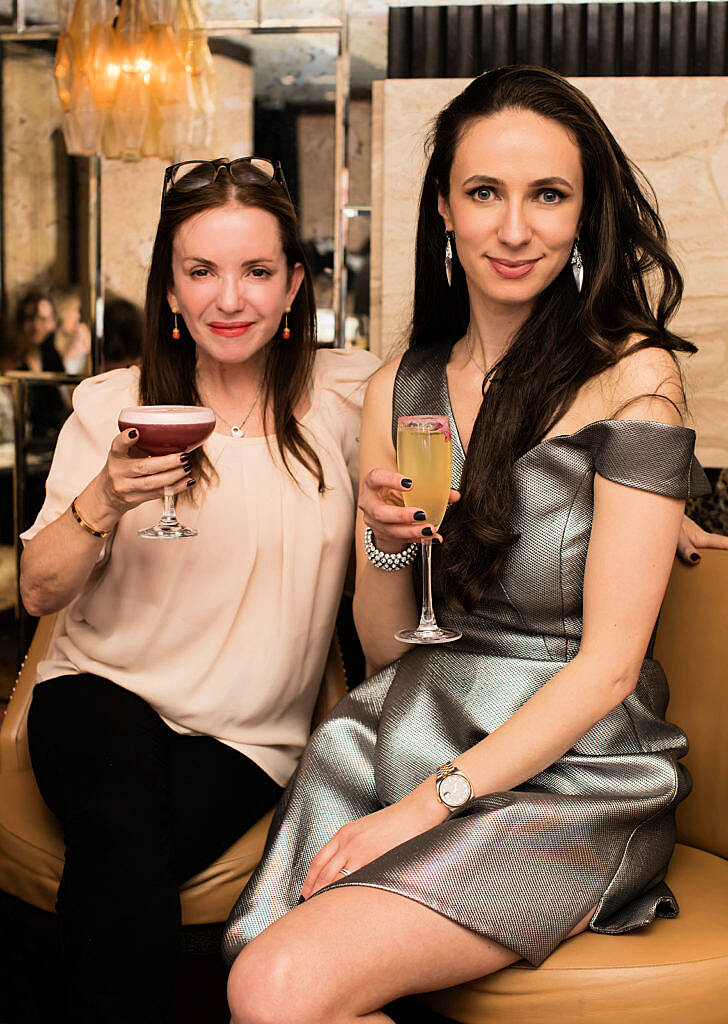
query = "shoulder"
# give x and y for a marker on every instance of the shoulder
(355, 365)
(377, 415)
(646, 384)
(340, 376)
(381, 384)
(103, 390)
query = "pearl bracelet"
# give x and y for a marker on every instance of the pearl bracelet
(386, 561)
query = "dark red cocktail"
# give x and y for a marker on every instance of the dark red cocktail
(164, 430)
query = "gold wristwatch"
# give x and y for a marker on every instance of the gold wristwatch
(453, 788)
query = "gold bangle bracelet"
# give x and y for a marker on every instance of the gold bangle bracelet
(87, 526)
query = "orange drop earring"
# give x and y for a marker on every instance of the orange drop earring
(175, 329)
(286, 333)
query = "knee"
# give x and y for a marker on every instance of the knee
(264, 988)
(324, 744)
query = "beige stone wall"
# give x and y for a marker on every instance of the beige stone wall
(35, 200)
(677, 133)
(130, 192)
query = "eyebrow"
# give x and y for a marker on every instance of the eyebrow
(538, 183)
(211, 263)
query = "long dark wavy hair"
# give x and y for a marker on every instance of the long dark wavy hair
(168, 368)
(631, 286)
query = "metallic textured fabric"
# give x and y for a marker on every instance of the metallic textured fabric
(596, 828)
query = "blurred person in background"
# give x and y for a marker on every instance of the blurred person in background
(72, 338)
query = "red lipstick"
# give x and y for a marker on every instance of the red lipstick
(229, 330)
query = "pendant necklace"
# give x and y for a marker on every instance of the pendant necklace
(237, 430)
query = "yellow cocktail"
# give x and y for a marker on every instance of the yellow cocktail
(424, 454)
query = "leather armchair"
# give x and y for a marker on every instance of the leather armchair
(31, 841)
(674, 971)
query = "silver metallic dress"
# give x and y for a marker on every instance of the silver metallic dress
(596, 828)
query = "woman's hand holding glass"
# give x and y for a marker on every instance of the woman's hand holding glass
(129, 478)
(381, 500)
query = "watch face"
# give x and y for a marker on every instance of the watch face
(455, 790)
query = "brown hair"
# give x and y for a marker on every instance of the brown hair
(168, 367)
(569, 337)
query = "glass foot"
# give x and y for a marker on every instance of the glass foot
(436, 635)
(167, 531)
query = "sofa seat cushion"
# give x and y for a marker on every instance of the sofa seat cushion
(32, 854)
(210, 895)
(670, 972)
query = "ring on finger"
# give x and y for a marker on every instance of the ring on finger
(344, 871)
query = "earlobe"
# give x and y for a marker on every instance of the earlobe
(295, 279)
(443, 208)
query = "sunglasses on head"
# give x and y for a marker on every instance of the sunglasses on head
(246, 170)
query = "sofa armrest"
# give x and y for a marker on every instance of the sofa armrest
(14, 754)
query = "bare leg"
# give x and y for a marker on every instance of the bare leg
(346, 953)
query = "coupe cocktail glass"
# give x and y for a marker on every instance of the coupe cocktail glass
(164, 430)
(424, 454)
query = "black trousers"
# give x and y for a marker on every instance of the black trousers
(143, 809)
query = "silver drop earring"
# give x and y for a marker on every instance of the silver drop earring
(448, 257)
(577, 266)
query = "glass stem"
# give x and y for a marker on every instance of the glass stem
(169, 516)
(427, 618)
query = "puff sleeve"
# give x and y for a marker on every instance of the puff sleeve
(84, 441)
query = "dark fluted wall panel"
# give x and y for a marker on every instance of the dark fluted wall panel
(592, 40)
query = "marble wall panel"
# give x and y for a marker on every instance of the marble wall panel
(35, 200)
(675, 129)
(130, 192)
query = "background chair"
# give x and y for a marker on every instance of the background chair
(674, 971)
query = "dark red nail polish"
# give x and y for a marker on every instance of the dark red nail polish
(405, 482)
(190, 482)
(427, 532)
(187, 467)
(420, 516)
(184, 457)
(695, 557)
(133, 434)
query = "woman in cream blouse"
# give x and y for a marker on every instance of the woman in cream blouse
(176, 698)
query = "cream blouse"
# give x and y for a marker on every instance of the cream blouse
(225, 634)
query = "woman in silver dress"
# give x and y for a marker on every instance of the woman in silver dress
(479, 802)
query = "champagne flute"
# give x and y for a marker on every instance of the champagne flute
(164, 430)
(424, 454)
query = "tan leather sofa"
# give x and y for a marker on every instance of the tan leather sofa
(31, 842)
(674, 971)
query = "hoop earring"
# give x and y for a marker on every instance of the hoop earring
(577, 265)
(286, 333)
(175, 330)
(448, 257)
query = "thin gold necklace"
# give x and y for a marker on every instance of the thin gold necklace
(237, 430)
(473, 360)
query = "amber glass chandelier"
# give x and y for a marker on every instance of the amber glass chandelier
(136, 80)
